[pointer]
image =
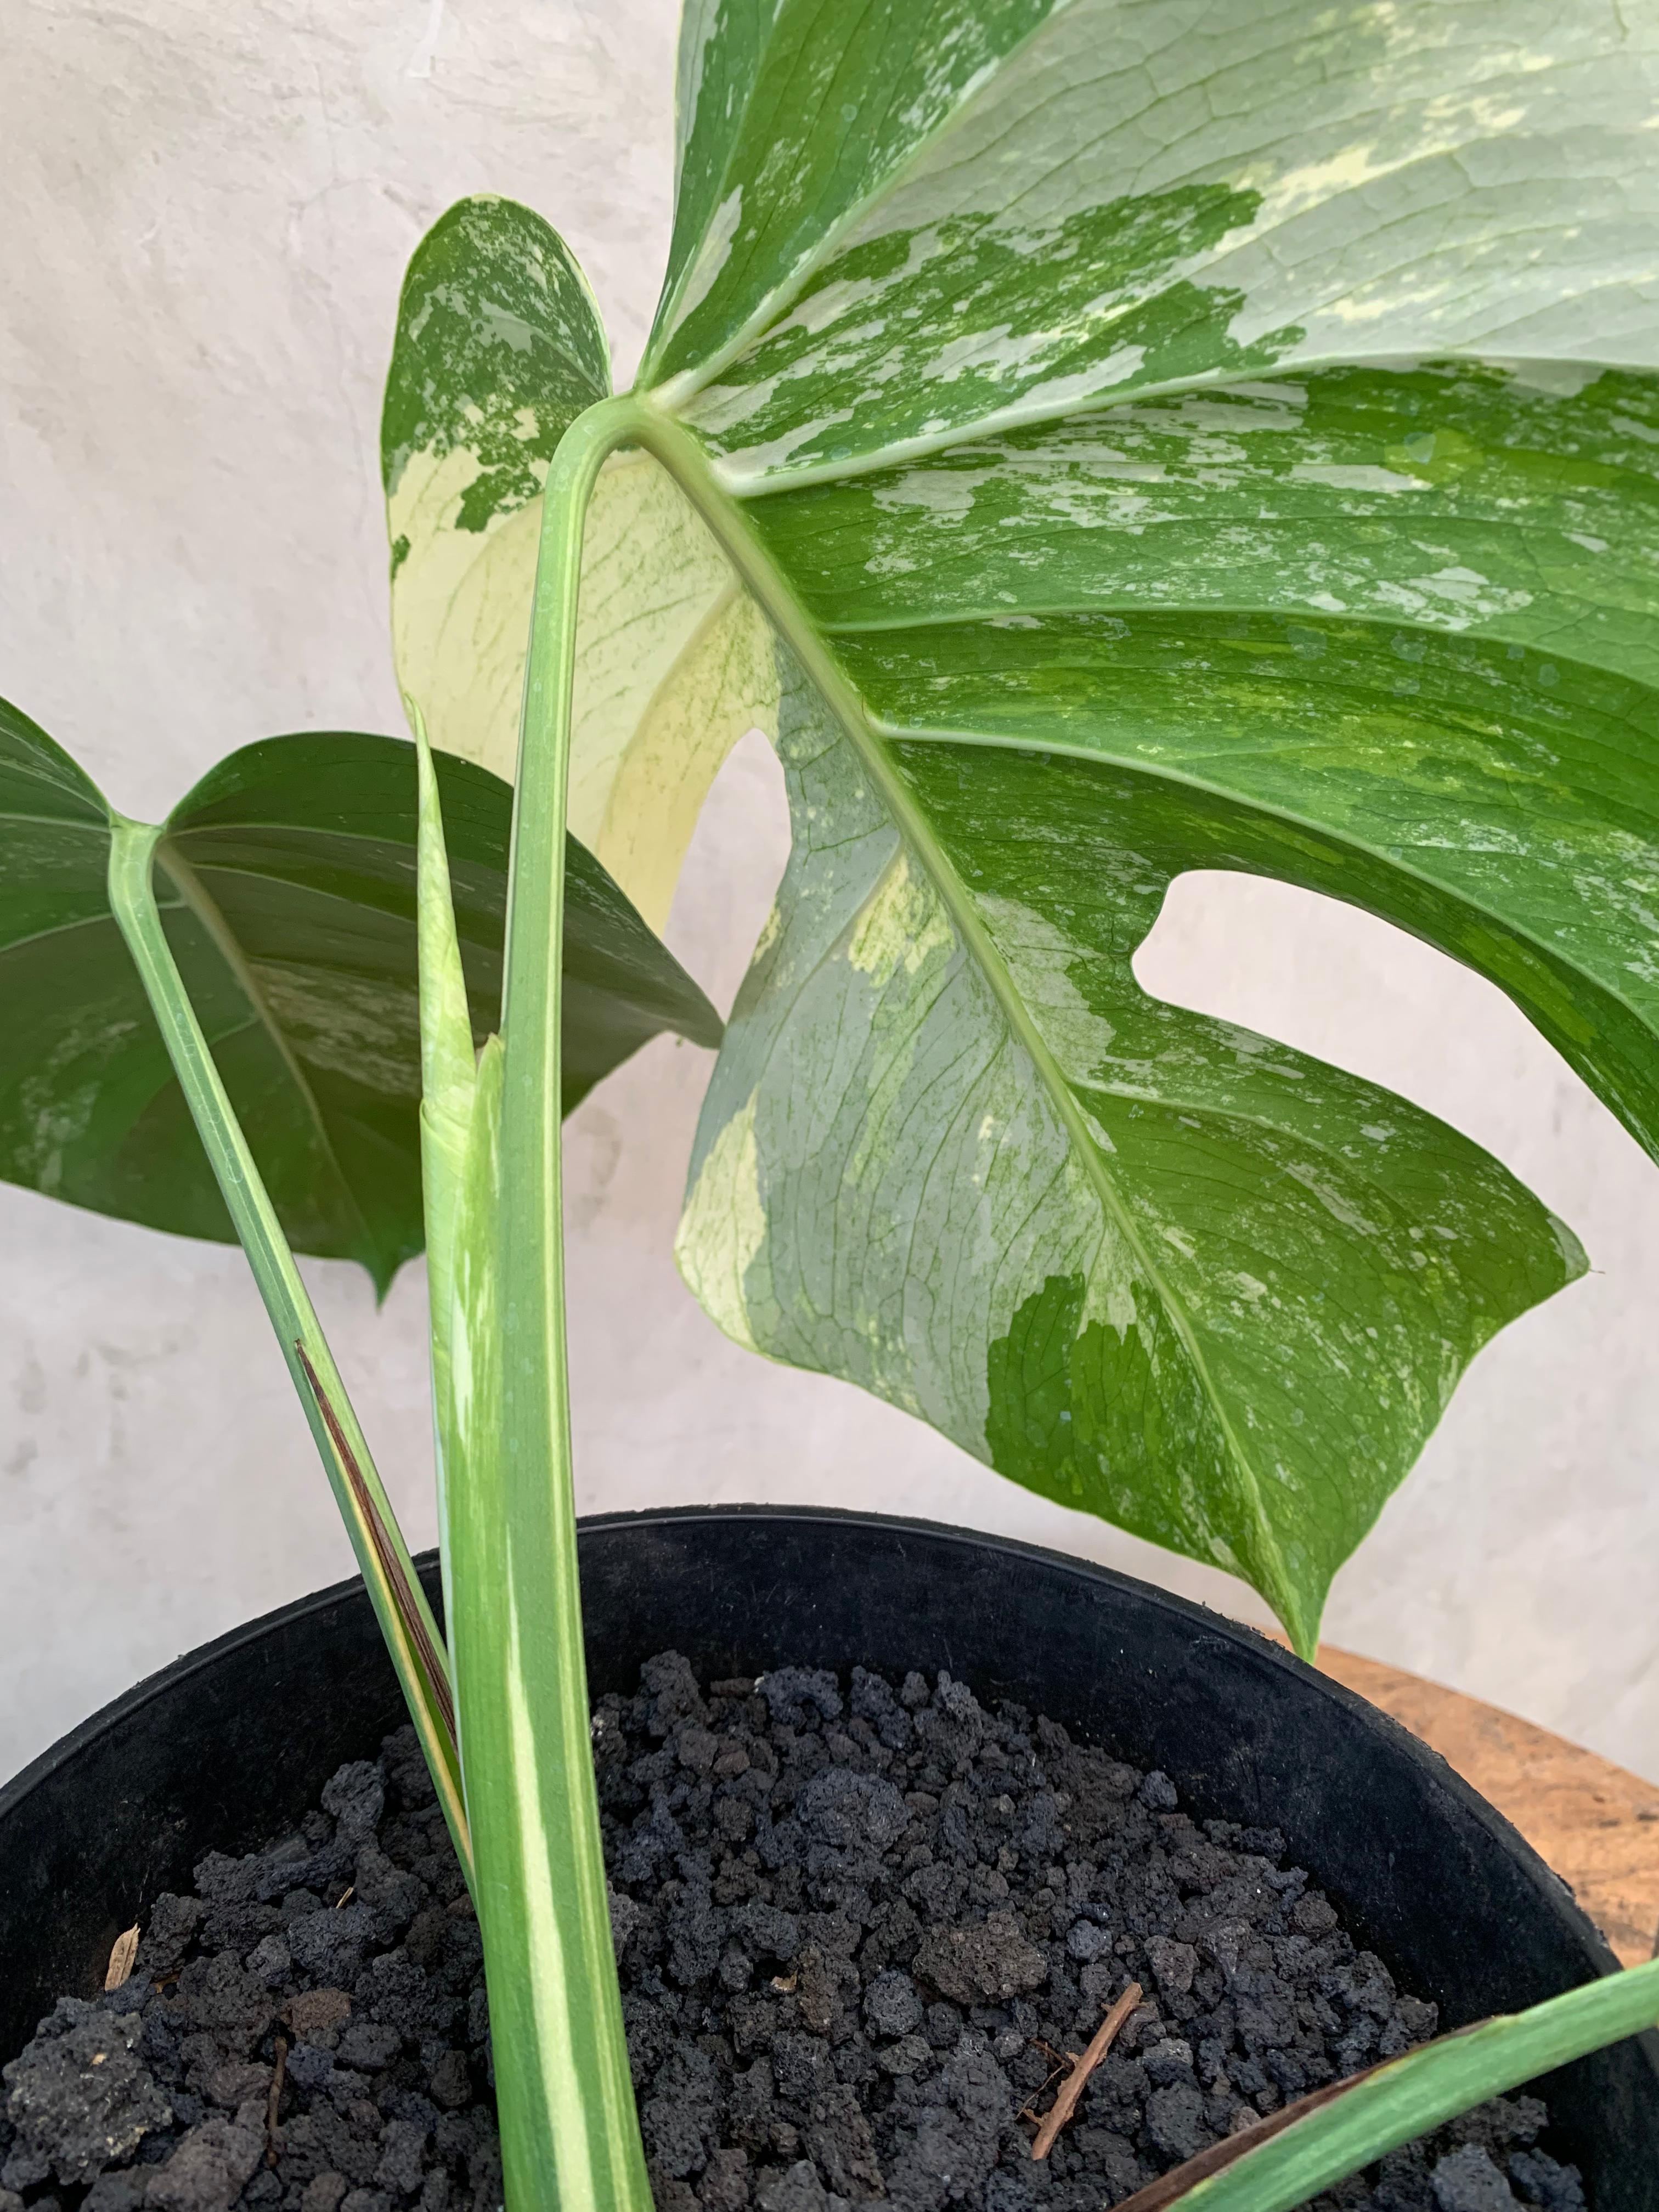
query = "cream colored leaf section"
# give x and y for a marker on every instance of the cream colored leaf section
(460, 609)
(724, 685)
(903, 924)
(675, 663)
(724, 1227)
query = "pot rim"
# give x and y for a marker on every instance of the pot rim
(1555, 1893)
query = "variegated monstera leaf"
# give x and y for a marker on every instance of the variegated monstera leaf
(1159, 436)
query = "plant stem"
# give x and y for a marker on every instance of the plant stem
(569, 2132)
(406, 1620)
(449, 1088)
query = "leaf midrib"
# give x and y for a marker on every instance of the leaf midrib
(738, 484)
(918, 833)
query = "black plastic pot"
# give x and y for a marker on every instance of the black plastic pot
(227, 1747)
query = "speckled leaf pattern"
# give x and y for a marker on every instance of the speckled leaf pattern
(720, 50)
(286, 886)
(1406, 618)
(1173, 436)
(498, 347)
(980, 214)
(789, 130)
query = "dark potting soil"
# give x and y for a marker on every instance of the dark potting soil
(859, 1928)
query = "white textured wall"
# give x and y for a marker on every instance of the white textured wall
(209, 210)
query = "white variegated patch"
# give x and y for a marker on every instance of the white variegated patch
(460, 609)
(674, 665)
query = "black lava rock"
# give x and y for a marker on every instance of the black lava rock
(854, 1923)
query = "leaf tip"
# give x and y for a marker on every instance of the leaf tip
(1574, 1259)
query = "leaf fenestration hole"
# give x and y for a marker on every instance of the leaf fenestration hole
(1349, 988)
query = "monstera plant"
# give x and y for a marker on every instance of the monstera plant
(1095, 439)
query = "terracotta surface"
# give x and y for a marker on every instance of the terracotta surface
(1595, 1824)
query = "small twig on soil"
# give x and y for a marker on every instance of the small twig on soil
(345, 1897)
(274, 2100)
(1073, 2087)
(119, 1969)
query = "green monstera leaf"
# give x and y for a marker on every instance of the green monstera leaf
(287, 885)
(1098, 441)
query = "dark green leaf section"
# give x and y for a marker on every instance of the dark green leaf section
(75, 1009)
(1050, 1424)
(287, 885)
(498, 347)
(812, 116)
(1079, 1412)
